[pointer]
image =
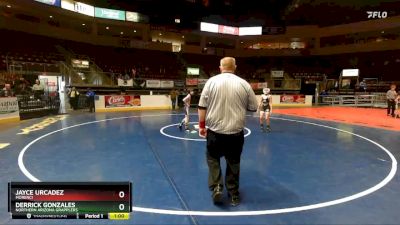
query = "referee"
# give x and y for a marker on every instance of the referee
(222, 106)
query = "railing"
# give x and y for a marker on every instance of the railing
(373, 100)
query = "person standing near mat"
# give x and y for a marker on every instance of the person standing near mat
(265, 109)
(222, 106)
(186, 102)
(391, 96)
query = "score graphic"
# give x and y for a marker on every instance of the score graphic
(71, 200)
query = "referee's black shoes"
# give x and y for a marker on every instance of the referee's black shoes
(235, 199)
(217, 195)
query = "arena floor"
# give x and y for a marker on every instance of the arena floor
(306, 171)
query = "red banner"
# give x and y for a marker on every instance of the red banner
(192, 82)
(293, 99)
(122, 101)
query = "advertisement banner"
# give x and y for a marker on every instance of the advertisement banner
(8, 107)
(109, 14)
(192, 82)
(228, 30)
(51, 2)
(167, 84)
(85, 9)
(122, 101)
(179, 84)
(153, 83)
(293, 99)
(125, 83)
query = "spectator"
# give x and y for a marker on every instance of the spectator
(90, 98)
(6, 91)
(363, 85)
(38, 89)
(73, 98)
(173, 95)
(391, 96)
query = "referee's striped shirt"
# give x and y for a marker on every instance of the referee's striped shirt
(227, 97)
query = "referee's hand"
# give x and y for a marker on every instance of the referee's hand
(203, 132)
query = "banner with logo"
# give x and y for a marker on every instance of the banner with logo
(192, 81)
(125, 83)
(122, 101)
(153, 83)
(167, 84)
(293, 99)
(109, 14)
(9, 107)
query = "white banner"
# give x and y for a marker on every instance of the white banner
(8, 107)
(125, 83)
(167, 84)
(153, 83)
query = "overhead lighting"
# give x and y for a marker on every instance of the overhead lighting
(8, 6)
(160, 34)
(183, 36)
(241, 42)
(107, 28)
(122, 32)
(83, 24)
(209, 42)
(51, 17)
(134, 31)
(177, 20)
(383, 32)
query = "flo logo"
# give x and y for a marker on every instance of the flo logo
(377, 14)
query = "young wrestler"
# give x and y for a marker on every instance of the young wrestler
(186, 101)
(265, 109)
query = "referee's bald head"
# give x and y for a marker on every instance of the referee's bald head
(227, 64)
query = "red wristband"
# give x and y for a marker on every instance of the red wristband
(202, 124)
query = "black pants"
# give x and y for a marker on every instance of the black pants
(230, 147)
(91, 103)
(391, 107)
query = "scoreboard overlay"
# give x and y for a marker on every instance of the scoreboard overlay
(70, 200)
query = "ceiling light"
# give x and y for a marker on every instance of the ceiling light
(160, 34)
(107, 28)
(122, 32)
(241, 42)
(134, 31)
(8, 6)
(51, 17)
(83, 24)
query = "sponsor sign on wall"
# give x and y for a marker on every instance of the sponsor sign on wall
(109, 14)
(167, 84)
(153, 83)
(192, 81)
(8, 107)
(122, 101)
(293, 99)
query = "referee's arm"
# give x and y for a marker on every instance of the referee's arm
(252, 104)
(202, 110)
